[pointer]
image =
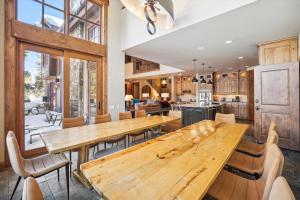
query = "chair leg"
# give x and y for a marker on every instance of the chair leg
(128, 142)
(67, 179)
(16, 186)
(58, 175)
(124, 142)
(105, 145)
(70, 156)
(94, 151)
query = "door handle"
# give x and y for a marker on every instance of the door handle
(257, 108)
(256, 101)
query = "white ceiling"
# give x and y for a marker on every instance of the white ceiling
(261, 21)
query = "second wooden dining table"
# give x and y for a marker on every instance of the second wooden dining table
(179, 165)
(82, 137)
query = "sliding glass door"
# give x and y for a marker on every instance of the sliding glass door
(54, 84)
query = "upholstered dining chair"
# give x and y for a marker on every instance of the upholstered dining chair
(174, 125)
(125, 115)
(255, 149)
(70, 123)
(31, 190)
(281, 190)
(249, 164)
(226, 118)
(34, 167)
(116, 139)
(233, 187)
(139, 114)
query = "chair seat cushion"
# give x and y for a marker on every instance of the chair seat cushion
(229, 186)
(251, 148)
(44, 164)
(246, 163)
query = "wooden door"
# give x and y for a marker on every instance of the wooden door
(277, 99)
(136, 90)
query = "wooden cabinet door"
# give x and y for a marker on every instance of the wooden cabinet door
(178, 86)
(283, 51)
(277, 99)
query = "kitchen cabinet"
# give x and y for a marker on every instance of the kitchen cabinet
(243, 83)
(226, 83)
(276, 52)
(239, 109)
(184, 85)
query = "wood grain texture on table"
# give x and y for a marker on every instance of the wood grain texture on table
(180, 165)
(70, 138)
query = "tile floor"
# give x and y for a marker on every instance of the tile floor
(54, 190)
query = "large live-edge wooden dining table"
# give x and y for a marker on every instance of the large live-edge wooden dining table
(179, 165)
(82, 137)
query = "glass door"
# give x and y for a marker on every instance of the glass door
(42, 87)
(84, 86)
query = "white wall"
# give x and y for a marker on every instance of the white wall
(187, 12)
(116, 61)
(2, 140)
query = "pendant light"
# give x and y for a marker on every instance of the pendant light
(203, 81)
(156, 12)
(194, 80)
(210, 80)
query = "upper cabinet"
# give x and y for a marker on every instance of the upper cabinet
(283, 51)
(226, 83)
(184, 85)
(243, 83)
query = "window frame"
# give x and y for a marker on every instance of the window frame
(67, 14)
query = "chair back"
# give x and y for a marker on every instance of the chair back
(281, 190)
(73, 122)
(272, 126)
(102, 118)
(227, 118)
(272, 138)
(175, 113)
(16, 159)
(31, 190)
(141, 113)
(124, 115)
(272, 168)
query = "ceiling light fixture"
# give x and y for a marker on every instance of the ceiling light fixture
(156, 12)
(200, 48)
(228, 42)
(194, 80)
(210, 80)
(203, 81)
(240, 57)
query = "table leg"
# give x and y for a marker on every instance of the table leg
(83, 157)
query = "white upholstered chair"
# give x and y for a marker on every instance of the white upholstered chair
(31, 190)
(34, 167)
(226, 118)
(234, 187)
(281, 190)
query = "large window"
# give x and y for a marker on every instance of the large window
(83, 17)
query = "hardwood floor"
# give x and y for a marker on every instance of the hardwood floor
(53, 190)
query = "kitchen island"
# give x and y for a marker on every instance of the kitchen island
(195, 112)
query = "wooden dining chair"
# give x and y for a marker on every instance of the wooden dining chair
(226, 118)
(133, 135)
(140, 113)
(281, 190)
(71, 123)
(31, 190)
(34, 167)
(125, 115)
(116, 139)
(249, 164)
(174, 125)
(252, 148)
(234, 187)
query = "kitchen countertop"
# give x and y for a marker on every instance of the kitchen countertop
(202, 105)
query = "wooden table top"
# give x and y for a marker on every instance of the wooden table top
(70, 138)
(179, 165)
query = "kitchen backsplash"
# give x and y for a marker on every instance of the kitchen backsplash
(243, 98)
